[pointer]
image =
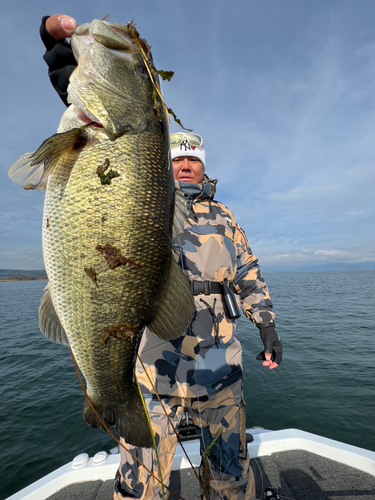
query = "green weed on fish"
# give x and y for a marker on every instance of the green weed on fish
(145, 50)
(106, 179)
(91, 273)
(166, 75)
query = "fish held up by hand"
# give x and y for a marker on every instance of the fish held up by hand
(107, 223)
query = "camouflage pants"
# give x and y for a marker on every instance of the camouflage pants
(231, 476)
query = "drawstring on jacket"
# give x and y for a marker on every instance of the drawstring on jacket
(214, 318)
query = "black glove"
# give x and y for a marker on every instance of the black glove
(271, 342)
(60, 60)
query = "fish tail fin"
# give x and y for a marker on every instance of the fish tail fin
(128, 420)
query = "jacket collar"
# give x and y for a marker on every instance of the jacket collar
(204, 190)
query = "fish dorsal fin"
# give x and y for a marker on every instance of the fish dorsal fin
(176, 308)
(49, 322)
(31, 170)
(183, 210)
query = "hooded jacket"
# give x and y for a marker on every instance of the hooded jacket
(208, 357)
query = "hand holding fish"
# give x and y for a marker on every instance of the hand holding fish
(60, 26)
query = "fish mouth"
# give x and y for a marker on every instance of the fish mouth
(88, 118)
(85, 115)
(105, 83)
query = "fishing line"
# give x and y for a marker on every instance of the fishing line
(169, 420)
(153, 440)
(150, 65)
(153, 80)
(207, 467)
(206, 453)
(105, 427)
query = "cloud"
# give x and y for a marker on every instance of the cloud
(332, 253)
(310, 256)
(22, 257)
(282, 94)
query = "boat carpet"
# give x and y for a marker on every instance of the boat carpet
(297, 475)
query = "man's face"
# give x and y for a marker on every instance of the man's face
(188, 169)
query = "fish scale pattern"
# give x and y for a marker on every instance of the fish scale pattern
(132, 216)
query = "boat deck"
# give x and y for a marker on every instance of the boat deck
(296, 474)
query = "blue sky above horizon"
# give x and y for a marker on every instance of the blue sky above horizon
(282, 92)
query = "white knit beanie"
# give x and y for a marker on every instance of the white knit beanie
(185, 149)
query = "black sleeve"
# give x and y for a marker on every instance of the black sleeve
(60, 61)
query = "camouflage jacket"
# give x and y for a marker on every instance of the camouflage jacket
(208, 357)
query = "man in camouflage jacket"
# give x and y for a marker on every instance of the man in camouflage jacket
(201, 371)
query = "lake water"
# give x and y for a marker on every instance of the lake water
(324, 385)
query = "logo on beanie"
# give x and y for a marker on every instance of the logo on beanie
(185, 144)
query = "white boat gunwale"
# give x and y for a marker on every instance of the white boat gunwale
(265, 443)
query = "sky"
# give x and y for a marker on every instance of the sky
(282, 91)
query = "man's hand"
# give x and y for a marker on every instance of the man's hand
(60, 26)
(273, 349)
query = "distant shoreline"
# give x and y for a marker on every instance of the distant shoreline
(24, 278)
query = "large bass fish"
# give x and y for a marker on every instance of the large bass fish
(107, 224)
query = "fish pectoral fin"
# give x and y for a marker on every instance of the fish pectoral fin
(177, 307)
(49, 322)
(28, 176)
(183, 211)
(31, 170)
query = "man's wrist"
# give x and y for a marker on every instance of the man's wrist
(263, 325)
